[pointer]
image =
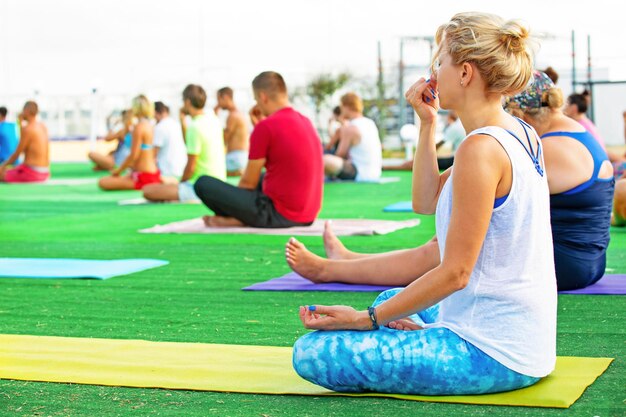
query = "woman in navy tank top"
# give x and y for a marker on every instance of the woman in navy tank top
(580, 178)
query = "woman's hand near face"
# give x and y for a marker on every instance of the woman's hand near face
(422, 96)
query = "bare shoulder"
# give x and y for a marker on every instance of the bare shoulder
(480, 149)
(142, 127)
(350, 130)
(30, 130)
(235, 117)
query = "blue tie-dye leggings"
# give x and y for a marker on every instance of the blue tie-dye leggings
(432, 361)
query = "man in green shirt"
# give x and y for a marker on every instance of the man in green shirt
(204, 140)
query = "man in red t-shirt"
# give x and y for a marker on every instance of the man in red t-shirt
(285, 143)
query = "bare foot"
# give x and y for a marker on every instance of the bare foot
(334, 248)
(220, 221)
(304, 262)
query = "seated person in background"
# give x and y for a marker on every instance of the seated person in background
(453, 135)
(618, 217)
(576, 108)
(124, 138)
(236, 134)
(168, 144)
(359, 152)
(334, 123)
(205, 150)
(552, 74)
(8, 136)
(141, 159)
(285, 143)
(35, 147)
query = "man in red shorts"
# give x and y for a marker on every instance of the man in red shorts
(285, 143)
(34, 144)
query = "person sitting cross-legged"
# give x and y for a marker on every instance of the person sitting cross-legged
(286, 145)
(205, 150)
(35, 146)
(358, 155)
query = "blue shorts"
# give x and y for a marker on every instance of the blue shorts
(186, 192)
(236, 160)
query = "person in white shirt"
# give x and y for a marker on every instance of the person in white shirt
(483, 318)
(168, 144)
(359, 154)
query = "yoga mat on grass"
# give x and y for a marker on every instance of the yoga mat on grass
(341, 227)
(72, 181)
(73, 268)
(401, 207)
(295, 282)
(381, 180)
(235, 368)
(60, 181)
(608, 285)
(142, 201)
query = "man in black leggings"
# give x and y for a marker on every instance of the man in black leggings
(286, 145)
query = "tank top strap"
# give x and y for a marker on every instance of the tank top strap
(501, 134)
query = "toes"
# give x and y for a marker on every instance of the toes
(295, 244)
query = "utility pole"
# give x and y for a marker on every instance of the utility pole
(589, 79)
(573, 61)
(401, 101)
(402, 68)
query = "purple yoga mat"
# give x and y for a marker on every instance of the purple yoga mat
(609, 284)
(295, 282)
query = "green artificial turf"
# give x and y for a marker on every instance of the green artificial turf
(197, 298)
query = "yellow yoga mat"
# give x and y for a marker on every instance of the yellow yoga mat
(234, 368)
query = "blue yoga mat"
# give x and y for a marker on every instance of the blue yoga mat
(401, 207)
(73, 268)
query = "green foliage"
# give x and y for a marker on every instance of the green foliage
(322, 87)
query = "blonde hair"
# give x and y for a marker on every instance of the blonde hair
(501, 51)
(352, 101)
(142, 107)
(553, 99)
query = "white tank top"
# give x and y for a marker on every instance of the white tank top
(508, 309)
(367, 156)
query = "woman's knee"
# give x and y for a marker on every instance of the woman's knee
(315, 361)
(302, 359)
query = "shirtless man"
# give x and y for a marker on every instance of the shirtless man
(235, 134)
(34, 144)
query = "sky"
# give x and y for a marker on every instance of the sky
(65, 48)
(126, 46)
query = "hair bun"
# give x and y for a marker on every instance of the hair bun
(513, 36)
